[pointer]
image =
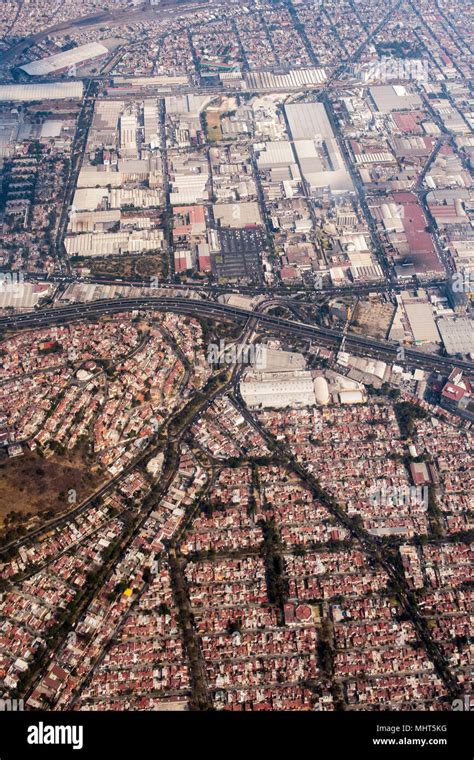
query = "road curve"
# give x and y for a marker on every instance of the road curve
(201, 308)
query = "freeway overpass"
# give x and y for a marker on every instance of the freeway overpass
(196, 307)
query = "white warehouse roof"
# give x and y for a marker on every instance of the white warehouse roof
(282, 389)
(351, 397)
(30, 92)
(306, 120)
(457, 335)
(422, 324)
(321, 390)
(388, 97)
(279, 153)
(113, 243)
(60, 61)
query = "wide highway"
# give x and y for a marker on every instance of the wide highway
(251, 290)
(199, 307)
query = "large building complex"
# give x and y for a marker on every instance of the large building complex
(236, 374)
(319, 157)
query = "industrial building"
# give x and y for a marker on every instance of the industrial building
(351, 397)
(306, 120)
(457, 335)
(420, 317)
(91, 198)
(321, 391)
(28, 93)
(388, 98)
(279, 389)
(282, 361)
(284, 382)
(274, 154)
(189, 188)
(237, 214)
(319, 158)
(128, 134)
(113, 243)
(295, 79)
(22, 295)
(61, 62)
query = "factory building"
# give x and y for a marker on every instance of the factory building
(67, 60)
(320, 160)
(27, 93)
(278, 390)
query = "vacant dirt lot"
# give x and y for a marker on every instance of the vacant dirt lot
(213, 121)
(31, 484)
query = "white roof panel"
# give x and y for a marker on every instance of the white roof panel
(30, 92)
(64, 60)
(306, 120)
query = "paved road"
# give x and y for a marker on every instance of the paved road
(279, 290)
(200, 308)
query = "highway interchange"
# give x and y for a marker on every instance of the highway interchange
(198, 307)
(204, 304)
(198, 301)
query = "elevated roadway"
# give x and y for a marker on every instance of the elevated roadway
(198, 307)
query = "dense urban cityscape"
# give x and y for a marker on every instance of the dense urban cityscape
(237, 343)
